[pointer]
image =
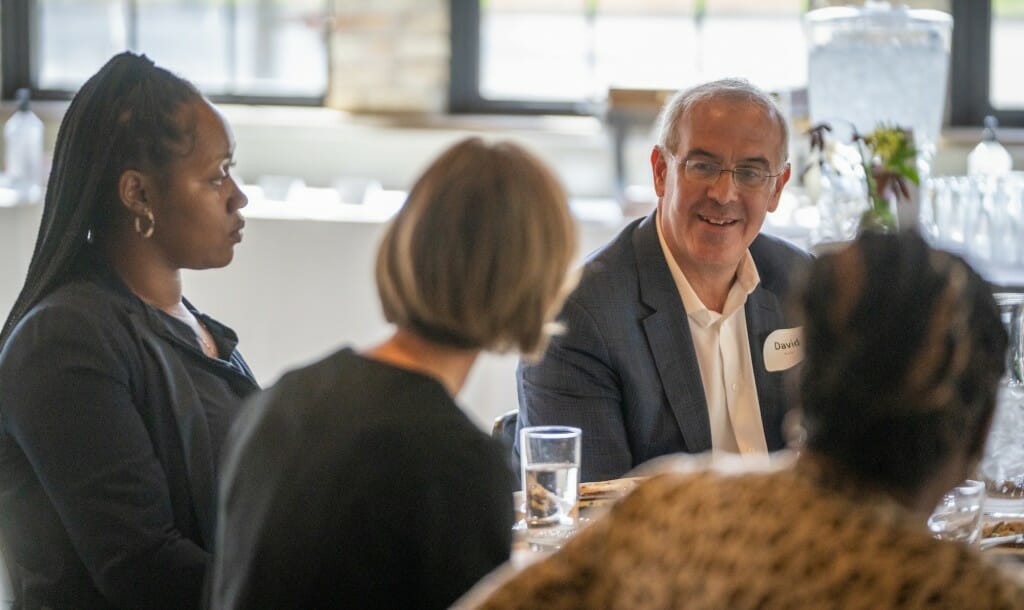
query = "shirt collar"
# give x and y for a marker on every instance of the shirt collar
(747, 279)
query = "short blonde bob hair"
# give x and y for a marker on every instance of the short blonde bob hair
(477, 258)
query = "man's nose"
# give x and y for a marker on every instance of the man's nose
(723, 189)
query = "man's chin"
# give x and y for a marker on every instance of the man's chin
(722, 255)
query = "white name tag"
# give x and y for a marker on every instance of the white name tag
(783, 349)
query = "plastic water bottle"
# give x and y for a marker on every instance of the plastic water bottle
(989, 157)
(23, 150)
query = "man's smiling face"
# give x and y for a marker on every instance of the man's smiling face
(709, 224)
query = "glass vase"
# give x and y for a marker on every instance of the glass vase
(881, 217)
(841, 198)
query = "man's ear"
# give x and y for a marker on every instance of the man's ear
(658, 168)
(780, 183)
(132, 189)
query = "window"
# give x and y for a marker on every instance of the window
(562, 55)
(233, 50)
(988, 42)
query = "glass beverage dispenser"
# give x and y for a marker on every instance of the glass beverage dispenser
(879, 63)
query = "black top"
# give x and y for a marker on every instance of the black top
(355, 484)
(219, 391)
(112, 425)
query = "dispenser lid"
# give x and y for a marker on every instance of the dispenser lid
(878, 24)
(879, 14)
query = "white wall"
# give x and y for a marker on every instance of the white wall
(18, 227)
(301, 289)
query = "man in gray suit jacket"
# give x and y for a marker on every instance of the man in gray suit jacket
(676, 337)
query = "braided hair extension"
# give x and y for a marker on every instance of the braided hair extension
(126, 116)
(904, 350)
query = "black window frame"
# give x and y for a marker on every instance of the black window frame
(17, 22)
(970, 72)
(464, 73)
(969, 69)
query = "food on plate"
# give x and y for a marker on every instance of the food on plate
(1003, 528)
(597, 493)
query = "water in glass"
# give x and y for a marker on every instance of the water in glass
(551, 494)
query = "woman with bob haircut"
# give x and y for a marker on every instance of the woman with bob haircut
(904, 349)
(357, 481)
(117, 392)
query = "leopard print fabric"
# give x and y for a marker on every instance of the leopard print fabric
(767, 541)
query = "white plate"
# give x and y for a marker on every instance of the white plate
(615, 488)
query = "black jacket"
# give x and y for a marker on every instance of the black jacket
(107, 466)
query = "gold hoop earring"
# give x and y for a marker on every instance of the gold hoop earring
(152, 224)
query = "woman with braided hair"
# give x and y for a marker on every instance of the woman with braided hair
(117, 392)
(903, 352)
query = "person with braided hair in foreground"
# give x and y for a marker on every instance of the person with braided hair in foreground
(117, 392)
(904, 350)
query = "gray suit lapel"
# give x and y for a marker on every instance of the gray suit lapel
(668, 333)
(764, 315)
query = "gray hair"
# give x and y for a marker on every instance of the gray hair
(727, 89)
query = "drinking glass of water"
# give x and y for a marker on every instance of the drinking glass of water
(551, 469)
(958, 514)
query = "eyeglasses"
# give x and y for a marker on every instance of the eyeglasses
(699, 170)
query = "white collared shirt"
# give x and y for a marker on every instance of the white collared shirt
(723, 355)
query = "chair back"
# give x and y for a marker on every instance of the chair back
(504, 431)
(504, 428)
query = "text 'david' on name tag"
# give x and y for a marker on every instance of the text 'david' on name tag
(783, 349)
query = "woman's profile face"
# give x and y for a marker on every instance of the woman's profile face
(196, 206)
